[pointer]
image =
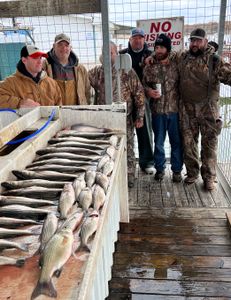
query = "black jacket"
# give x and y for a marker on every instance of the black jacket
(137, 58)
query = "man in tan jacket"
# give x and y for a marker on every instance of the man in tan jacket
(63, 65)
(29, 86)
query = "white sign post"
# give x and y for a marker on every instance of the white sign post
(172, 27)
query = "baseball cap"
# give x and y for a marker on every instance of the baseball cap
(163, 40)
(32, 51)
(62, 37)
(138, 31)
(198, 33)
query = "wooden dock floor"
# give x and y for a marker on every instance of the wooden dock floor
(177, 245)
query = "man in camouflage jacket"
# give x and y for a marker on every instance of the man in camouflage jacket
(163, 71)
(132, 92)
(201, 71)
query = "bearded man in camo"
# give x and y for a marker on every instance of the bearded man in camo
(201, 72)
(132, 93)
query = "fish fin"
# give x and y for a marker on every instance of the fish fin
(7, 185)
(20, 262)
(44, 288)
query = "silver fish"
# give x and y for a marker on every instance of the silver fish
(79, 184)
(82, 151)
(88, 228)
(108, 167)
(67, 155)
(89, 128)
(59, 168)
(50, 226)
(114, 140)
(9, 233)
(85, 198)
(111, 151)
(81, 140)
(102, 180)
(88, 135)
(78, 145)
(102, 161)
(49, 175)
(9, 200)
(90, 178)
(60, 161)
(18, 184)
(13, 222)
(36, 192)
(55, 255)
(22, 211)
(98, 197)
(66, 200)
(11, 261)
(73, 220)
(6, 244)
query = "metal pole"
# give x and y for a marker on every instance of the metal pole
(221, 27)
(106, 52)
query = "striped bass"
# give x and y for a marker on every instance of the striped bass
(50, 226)
(82, 151)
(18, 184)
(68, 155)
(13, 222)
(49, 175)
(60, 161)
(22, 211)
(9, 200)
(55, 255)
(36, 192)
(9, 233)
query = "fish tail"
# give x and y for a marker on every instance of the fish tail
(24, 247)
(20, 262)
(44, 288)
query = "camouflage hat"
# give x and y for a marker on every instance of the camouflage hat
(198, 33)
(62, 37)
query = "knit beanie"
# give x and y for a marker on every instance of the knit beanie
(163, 40)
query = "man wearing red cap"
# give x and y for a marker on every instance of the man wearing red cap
(29, 86)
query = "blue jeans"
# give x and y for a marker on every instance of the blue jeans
(161, 124)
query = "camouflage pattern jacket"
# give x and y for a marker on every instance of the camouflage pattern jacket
(194, 76)
(132, 91)
(168, 76)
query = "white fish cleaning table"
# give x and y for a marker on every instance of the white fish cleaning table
(85, 277)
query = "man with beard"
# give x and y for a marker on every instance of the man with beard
(132, 93)
(138, 50)
(201, 71)
(163, 71)
(29, 86)
(63, 65)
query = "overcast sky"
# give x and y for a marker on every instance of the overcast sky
(194, 11)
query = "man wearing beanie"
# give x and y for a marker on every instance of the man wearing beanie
(29, 86)
(161, 81)
(138, 50)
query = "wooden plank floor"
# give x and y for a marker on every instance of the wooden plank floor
(177, 245)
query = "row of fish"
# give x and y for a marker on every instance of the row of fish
(70, 178)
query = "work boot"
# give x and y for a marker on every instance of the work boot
(149, 170)
(209, 184)
(159, 175)
(176, 177)
(190, 179)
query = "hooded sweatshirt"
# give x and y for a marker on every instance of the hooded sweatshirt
(71, 78)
